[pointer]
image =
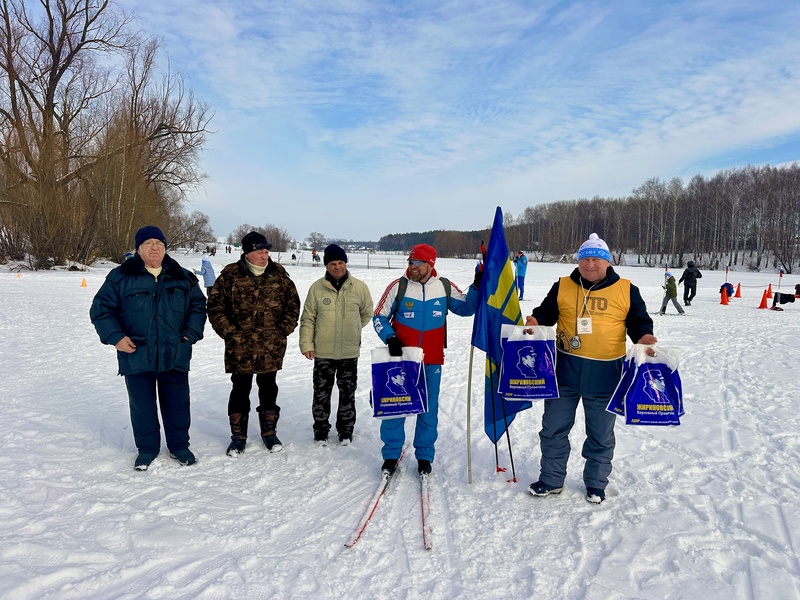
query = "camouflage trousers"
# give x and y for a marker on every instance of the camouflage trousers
(345, 372)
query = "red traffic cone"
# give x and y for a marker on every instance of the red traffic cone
(769, 291)
(738, 293)
(723, 295)
(763, 300)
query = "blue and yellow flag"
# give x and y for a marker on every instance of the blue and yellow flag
(499, 305)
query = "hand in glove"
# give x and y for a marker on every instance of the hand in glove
(395, 347)
(478, 277)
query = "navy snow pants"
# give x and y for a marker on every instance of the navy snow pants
(594, 382)
(172, 388)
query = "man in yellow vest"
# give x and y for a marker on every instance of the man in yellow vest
(592, 309)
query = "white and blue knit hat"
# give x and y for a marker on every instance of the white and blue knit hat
(594, 247)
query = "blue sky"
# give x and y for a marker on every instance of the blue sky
(359, 118)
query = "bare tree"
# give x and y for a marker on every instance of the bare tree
(315, 241)
(191, 231)
(72, 123)
(279, 238)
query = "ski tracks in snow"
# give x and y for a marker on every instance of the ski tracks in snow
(741, 491)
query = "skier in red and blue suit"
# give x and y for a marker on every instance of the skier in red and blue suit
(418, 319)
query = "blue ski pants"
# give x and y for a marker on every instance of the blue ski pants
(592, 381)
(393, 433)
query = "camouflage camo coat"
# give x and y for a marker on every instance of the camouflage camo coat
(254, 315)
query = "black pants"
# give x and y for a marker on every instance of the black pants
(239, 401)
(689, 292)
(345, 371)
(173, 398)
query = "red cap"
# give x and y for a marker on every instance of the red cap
(423, 252)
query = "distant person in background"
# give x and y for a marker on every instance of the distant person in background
(336, 309)
(521, 262)
(254, 307)
(797, 290)
(670, 294)
(483, 251)
(152, 311)
(689, 279)
(207, 271)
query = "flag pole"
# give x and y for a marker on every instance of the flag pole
(508, 438)
(469, 420)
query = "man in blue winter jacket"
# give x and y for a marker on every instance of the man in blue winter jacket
(152, 311)
(521, 263)
(418, 318)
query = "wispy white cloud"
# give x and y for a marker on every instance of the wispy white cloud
(444, 107)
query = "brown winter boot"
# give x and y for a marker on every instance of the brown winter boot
(268, 419)
(238, 433)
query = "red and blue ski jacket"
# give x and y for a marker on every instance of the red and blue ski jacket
(419, 318)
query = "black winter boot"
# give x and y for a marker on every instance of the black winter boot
(239, 423)
(268, 419)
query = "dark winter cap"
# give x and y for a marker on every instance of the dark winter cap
(423, 252)
(334, 252)
(690, 264)
(254, 241)
(151, 232)
(594, 247)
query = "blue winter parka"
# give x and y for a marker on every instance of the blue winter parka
(163, 316)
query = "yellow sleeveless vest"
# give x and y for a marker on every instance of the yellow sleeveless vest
(608, 308)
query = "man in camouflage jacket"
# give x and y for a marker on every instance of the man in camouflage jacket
(254, 307)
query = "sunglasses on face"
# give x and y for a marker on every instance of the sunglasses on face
(416, 263)
(262, 246)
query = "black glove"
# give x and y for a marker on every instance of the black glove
(395, 347)
(478, 277)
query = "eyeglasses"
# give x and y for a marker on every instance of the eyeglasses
(153, 244)
(416, 263)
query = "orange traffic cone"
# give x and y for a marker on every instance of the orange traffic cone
(763, 300)
(769, 291)
(738, 293)
(83, 283)
(723, 295)
(18, 275)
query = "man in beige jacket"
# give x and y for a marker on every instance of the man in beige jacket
(337, 308)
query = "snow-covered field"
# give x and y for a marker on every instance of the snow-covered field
(706, 510)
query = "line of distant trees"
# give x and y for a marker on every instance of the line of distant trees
(747, 216)
(95, 140)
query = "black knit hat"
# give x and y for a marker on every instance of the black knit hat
(334, 252)
(254, 241)
(151, 232)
